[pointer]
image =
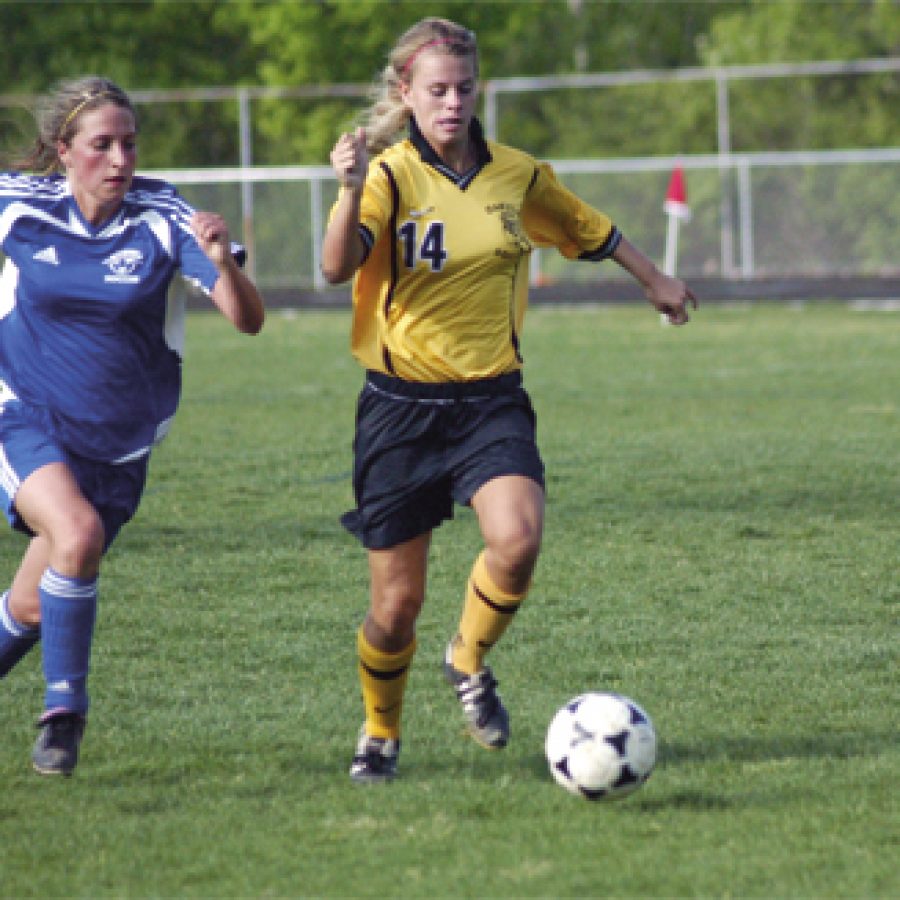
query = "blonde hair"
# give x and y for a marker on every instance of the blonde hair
(388, 114)
(57, 115)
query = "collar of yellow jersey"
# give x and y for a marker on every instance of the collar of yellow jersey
(428, 155)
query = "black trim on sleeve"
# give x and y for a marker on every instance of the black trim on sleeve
(606, 250)
(368, 240)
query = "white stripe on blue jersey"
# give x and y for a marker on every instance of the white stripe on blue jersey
(32, 186)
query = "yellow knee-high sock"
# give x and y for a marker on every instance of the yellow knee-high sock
(486, 614)
(383, 679)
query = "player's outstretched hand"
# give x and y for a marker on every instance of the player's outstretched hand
(671, 296)
(350, 159)
(211, 232)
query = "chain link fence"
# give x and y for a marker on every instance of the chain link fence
(758, 216)
(816, 215)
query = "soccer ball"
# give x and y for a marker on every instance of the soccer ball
(601, 746)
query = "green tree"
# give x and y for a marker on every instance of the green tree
(340, 42)
(318, 43)
(141, 45)
(815, 112)
(158, 44)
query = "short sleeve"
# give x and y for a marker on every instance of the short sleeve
(196, 267)
(553, 216)
(376, 204)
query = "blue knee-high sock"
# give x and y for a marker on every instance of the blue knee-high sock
(16, 639)
(68, 610)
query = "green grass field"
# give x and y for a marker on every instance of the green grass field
(721, 544)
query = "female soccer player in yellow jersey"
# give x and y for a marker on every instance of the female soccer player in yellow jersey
(436, 232)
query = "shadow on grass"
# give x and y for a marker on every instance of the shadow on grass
(749, 749)
(772, 748)
(742, 750)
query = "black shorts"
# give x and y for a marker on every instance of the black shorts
(420, 447)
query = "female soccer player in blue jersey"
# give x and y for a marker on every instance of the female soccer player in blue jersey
(436, 233)
(90, 370)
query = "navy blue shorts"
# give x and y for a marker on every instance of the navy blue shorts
(114, 490)
(421, 447)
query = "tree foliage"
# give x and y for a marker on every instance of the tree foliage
(140, 45)
(348, 42)
(810, 113)
(147, 44)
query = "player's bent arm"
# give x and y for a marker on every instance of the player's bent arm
(343, 250)
(233, 293)
(669, 295)
(237, 298)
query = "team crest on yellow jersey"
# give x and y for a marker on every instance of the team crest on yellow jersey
(512, 227)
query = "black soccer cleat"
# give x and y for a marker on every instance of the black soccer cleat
(375, 761)
(56, 748)
(486, 717)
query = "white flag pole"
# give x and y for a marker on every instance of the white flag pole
(677, 210)
(671, 245)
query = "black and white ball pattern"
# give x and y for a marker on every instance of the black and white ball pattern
(601, 746)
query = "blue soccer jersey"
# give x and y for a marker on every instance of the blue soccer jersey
(90, 341)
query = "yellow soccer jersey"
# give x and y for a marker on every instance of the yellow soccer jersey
(442, 293)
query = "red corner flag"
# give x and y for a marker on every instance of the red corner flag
(676, 196)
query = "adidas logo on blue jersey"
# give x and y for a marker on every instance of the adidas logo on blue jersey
(47, 255)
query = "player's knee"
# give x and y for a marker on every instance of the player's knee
(394, 613)
(515, 550)
(78, 544)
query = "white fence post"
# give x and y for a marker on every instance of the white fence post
(745, 213)
(317, 228)
(723, 135)
(246, 161)
(490, 111)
